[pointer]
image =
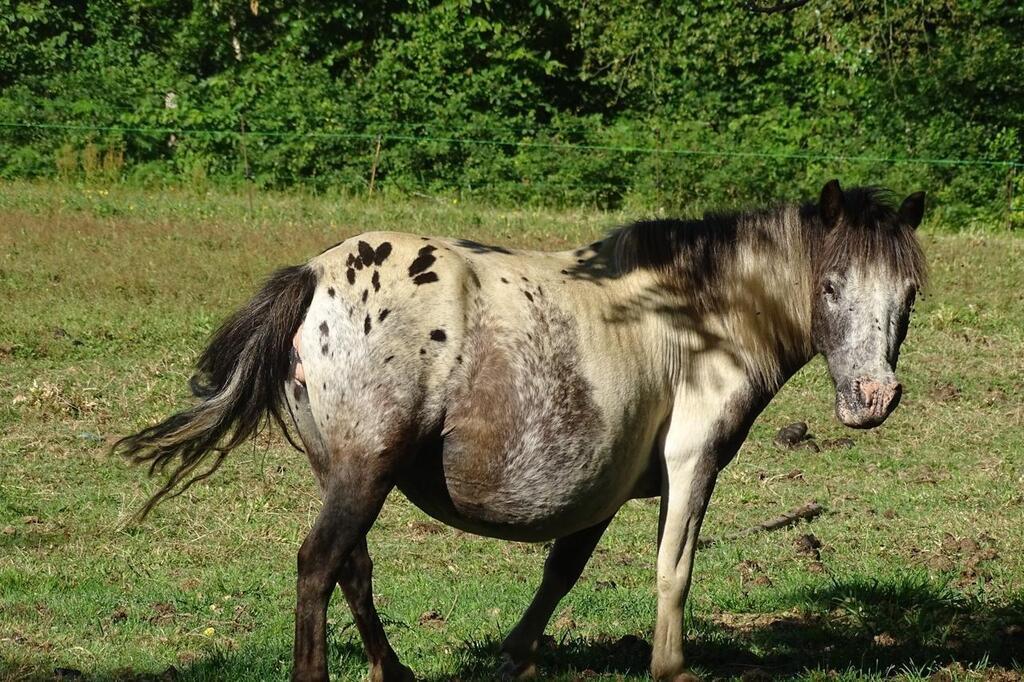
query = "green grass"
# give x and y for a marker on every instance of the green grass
(107, 296)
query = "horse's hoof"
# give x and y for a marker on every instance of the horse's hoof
(512, 670)
(685, 677)
(394, 672)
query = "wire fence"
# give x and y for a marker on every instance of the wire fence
(401, 137)
(371, 136)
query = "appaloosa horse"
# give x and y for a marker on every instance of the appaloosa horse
(527, 395)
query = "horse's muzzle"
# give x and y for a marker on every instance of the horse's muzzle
(865, 403)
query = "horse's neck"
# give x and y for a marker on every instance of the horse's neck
(769, 311)
(761, 318)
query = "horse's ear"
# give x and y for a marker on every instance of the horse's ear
(831, 203)
(912, 209)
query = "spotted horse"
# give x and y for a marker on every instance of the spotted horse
(527, 396)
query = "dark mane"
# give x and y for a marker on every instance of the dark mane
(869, 233)
(694, 254)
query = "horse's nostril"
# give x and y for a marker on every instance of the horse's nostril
(868, 390)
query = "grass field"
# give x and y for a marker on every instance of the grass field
(107, 295)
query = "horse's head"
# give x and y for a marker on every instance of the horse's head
(868, 268)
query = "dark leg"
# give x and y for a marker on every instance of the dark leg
(562, 569)
(356, 583)
(351, 504)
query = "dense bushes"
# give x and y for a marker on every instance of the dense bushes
(482, 97)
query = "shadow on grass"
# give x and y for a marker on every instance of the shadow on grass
(857, 626)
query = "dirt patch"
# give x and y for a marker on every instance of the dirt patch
(750, 622)
(432, 619)
(423, 529)
(944, 393)
(162, 612)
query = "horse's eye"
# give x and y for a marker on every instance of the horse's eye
(829, 290)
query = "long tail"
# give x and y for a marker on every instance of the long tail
(239, 380)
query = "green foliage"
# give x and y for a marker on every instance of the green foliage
(648, 104)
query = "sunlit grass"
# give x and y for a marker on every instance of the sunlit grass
(109, 294)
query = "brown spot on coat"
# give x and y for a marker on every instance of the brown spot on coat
(383, 314)
(375, 281)
(528, 295)
(422, 262)
(366, 292)
(350, 275)
(324, 330)
(438, 335)
(366, 253)
(425, 278)
(382, 253)
(366, 324)
(330, 292)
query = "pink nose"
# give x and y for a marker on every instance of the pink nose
(879, 398)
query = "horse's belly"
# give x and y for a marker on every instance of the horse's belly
(492, 494)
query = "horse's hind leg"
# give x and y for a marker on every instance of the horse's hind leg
(356, 583)
(562, 569)
(353, 496)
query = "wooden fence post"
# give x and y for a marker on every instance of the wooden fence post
(373, 168)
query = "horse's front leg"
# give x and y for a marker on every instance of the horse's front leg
(683, 503)
(703, 434)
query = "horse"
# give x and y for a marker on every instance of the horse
(528, 395)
